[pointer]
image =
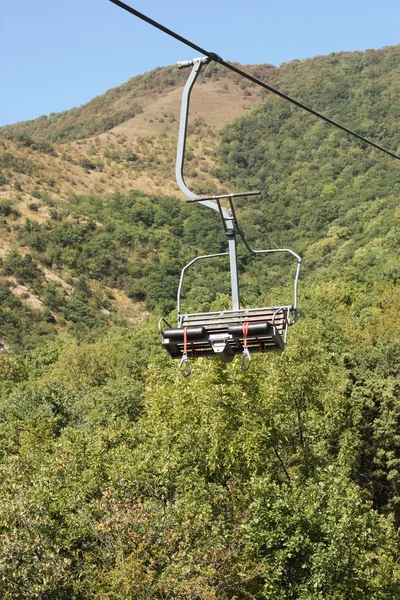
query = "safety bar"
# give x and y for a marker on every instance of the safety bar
(254, 252)
(160, 322)
(296, 277)
(184, 270)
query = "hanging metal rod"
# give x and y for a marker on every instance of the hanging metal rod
(231, 67)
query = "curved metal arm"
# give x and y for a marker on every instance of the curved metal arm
(254, 252)
(160, 325)
(196, 64)
(184, 271)
(296, 277)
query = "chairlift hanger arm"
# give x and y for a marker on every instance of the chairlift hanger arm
(227, 220)
(221, 61)
(196, 65)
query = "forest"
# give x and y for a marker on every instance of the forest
(119, 479)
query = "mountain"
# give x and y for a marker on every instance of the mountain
(48, 163)
(61, 174)
(120, 479)
(137, 123)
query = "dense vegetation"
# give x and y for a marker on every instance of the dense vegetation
(135, 243)
(120, 479)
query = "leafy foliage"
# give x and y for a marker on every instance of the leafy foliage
(136, 243)
(229, 485)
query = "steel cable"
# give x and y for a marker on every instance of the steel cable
(213, 56)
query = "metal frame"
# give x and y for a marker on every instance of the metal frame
(183, 274)
(223, 333)
(293, 307)
(229, 220)
(196, 65)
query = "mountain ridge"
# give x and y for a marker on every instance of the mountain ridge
(117, 104)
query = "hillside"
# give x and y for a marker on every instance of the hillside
(139, 95)
(127, 137)
(45, 164)
(312, 191)
(120, 479)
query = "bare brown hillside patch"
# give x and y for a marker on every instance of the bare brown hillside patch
(50, 276)
(140, 152)
(26, 295)
(130, 311)
(4, 248)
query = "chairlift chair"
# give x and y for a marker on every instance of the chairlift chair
(223, 333)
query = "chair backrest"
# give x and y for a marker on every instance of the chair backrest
(219, 321)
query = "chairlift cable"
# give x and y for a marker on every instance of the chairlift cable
(213, 56)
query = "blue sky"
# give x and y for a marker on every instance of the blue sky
(56, 55)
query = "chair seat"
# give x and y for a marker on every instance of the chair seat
(226, 333)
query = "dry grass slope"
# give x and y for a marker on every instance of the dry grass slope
(124, 139)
